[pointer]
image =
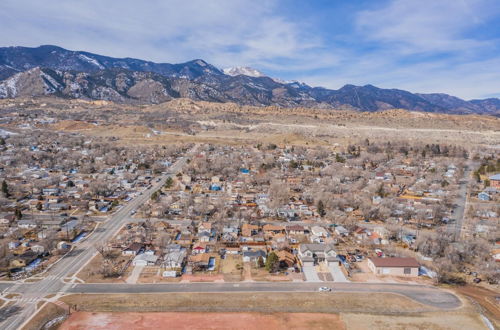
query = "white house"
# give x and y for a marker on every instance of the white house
(144, 259)
(319, 231)
(312, 254)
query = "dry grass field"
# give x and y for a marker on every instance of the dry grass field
(297, 302)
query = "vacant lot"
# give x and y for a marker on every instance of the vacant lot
(296, 302)
(90, 273)
(257, 321)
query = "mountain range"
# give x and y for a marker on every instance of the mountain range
(51, 70)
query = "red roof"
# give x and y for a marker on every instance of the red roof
(395, 262)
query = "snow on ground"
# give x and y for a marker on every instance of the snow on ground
(91, 61)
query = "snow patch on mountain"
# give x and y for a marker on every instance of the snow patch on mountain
(243, 70)
(91, 61)
(52, 84)
(8, 88)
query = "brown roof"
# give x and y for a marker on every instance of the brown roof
(394, 262)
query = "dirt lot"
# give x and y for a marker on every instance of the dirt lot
(49, 312)
(257, 321)
(228, 267)
(90, 275)
(296, 302)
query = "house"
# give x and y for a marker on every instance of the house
(272, 229)
(145, 259)
(26, 224)
(62, 245)
(199, 261)
(286, 259)
(319, 231)
(174, 258)
(295, 230)
(24, 259)
(394, 266)
(253, 256)
(312, 254)
(13, 245)
(495, 181)
(204, 236)
(133, 249)
(341, 231)
(38, 248)
(233, 250)
(248, 230)
(361, 233)
(200, 247)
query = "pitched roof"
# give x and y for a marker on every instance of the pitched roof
(495, 177)
(395, 262)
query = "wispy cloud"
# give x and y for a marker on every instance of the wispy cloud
(427, 25)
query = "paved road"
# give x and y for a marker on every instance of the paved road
(427, 295)
(14, 316)
(461, 201)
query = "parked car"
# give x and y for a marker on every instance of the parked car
(324, 289)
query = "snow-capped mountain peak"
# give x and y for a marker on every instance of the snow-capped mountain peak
(243, 70)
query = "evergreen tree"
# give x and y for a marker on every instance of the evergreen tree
(5, 188)
(271, 262)
(321, 208)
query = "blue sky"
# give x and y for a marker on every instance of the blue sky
(450, 46)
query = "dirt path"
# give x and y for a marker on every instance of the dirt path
(485, 298)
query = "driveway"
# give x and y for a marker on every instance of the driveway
(134, 275)
(338, 275)
(310, 274)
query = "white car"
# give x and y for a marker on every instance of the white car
(324, 289)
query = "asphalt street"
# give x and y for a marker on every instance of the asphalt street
(427, 295)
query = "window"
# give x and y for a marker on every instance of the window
(407, 270)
